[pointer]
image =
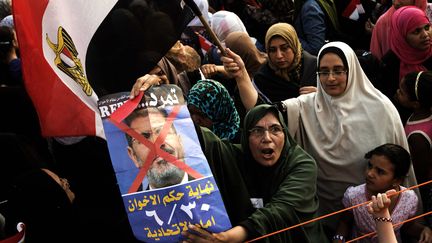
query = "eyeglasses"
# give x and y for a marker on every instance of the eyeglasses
(260, 131)
(335, 73)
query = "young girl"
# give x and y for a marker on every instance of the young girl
(386, 169)
(414, 93)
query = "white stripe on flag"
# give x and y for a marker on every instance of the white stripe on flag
(80, 19)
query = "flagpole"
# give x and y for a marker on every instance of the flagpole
(198, 13)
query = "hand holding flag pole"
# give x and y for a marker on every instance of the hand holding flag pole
(198, 13)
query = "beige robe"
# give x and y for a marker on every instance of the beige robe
(338, 131)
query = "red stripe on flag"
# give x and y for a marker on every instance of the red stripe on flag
(205, 44)
(60, 111)
(350, 8)
(18, 237)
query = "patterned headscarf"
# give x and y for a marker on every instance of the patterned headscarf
(213, 99)
(288, 33)
(405, 20)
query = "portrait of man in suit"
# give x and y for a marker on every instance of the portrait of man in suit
(149, 122)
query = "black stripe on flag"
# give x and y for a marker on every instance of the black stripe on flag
(130, 41)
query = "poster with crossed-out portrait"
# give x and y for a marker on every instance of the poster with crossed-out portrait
(163, 175)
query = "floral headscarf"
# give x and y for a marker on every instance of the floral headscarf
(213, 99)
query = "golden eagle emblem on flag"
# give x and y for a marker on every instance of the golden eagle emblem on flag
(67, 60)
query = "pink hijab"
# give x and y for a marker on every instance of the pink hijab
(405, 20)
(380, 41)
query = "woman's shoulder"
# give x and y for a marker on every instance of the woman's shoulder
(311, 6)
(264, 73)
(390, 58)
(407, 204)
(354, 195)
(308, 58)
(355, 190)
(309, 69)
(408, 194)
(295, 106)
(211, 142)
(299, 155)
(264, 70)
(309, 61)
(301, 100)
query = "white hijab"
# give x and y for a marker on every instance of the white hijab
(225, 22)
(338, 131)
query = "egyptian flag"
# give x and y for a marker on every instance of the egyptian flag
(205, 44)
(75, 51)
(353, 10)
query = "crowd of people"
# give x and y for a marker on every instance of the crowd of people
(312, 108)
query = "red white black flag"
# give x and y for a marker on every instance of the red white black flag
(74, 51)
(205, 44)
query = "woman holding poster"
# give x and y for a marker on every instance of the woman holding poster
(268, 183)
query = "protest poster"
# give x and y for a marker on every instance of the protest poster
(163, 175)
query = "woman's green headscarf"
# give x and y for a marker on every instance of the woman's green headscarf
(288, 188)
(252, 118)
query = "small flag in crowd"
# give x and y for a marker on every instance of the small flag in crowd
(74, 51)
(353, 10)
(205, 44)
